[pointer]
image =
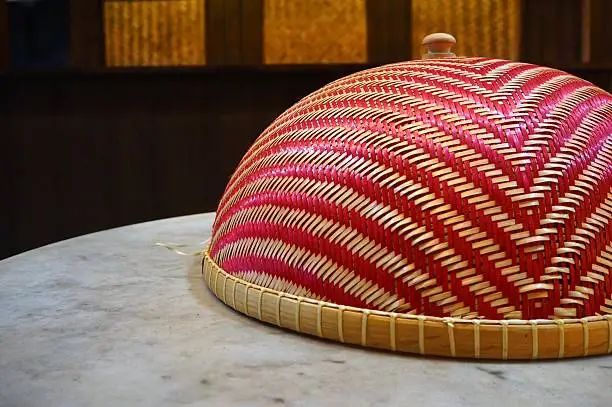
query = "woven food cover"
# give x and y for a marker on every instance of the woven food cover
(456, 206)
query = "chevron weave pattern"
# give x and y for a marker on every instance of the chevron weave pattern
(468, 187)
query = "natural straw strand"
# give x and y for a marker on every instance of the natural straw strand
(477, 338)
(504, 325)
(319, 320)
(392, 328)
(421, 320)
(561, 325)
(364, 327)
(585, 336)
(451, 336)
(534, 339)
(340, 323)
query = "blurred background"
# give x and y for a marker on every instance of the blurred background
(114, 112)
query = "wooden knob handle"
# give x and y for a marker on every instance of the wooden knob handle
(439, 45)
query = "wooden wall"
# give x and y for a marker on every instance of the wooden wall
(130, 33)
(90, 148)
(89, 151)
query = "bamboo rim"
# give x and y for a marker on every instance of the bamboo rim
(415, 334)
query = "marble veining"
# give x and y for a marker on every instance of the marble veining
(110, 319)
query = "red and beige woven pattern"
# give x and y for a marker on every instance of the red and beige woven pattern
(468, 188)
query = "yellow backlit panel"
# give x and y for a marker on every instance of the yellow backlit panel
(314, 31)
(488, 28)
(154, 32)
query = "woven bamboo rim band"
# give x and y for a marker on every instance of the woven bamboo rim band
(417, 334)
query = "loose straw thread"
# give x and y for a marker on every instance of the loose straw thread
(173, 247)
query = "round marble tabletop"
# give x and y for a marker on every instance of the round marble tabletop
(111, 319)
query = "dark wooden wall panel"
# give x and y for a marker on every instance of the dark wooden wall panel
(389, 35)
(551, 32)
(85, 152)
(86, 34)
(215, 32)
(234, 32)
(5, 50)
(252, 31)
(601, 32)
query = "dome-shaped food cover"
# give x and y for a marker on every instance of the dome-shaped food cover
(446, 206)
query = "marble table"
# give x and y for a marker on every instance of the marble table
(111, 319)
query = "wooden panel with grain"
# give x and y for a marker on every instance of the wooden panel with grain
(487, 28)
(314, 31)
(154, 33)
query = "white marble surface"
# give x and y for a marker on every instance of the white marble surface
(110, 319)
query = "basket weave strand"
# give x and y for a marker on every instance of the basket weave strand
(466, 189)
